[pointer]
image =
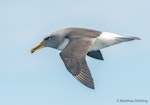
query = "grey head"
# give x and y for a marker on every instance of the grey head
(53, 40)
(56, 38)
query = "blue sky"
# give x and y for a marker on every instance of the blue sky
(42, 79)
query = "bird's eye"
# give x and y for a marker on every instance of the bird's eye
(46, 38)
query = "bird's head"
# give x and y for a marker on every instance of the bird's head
(46, 42)
(52, 41)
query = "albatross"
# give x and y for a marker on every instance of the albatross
(76, 43)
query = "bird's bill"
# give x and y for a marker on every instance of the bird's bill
(38, 47)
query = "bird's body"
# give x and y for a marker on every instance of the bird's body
(100, 41)
(76, 43)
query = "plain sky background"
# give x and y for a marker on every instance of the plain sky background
(42, 79)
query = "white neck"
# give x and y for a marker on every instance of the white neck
(64, 44)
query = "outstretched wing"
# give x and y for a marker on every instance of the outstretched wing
(73, 56)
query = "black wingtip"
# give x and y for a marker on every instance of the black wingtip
(92, 87)
(85, 83)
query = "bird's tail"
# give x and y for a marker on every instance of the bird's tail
(127, 38)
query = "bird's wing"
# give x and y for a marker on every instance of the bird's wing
(82, 32)
(73, 56)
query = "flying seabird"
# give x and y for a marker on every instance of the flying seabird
(76, 43)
